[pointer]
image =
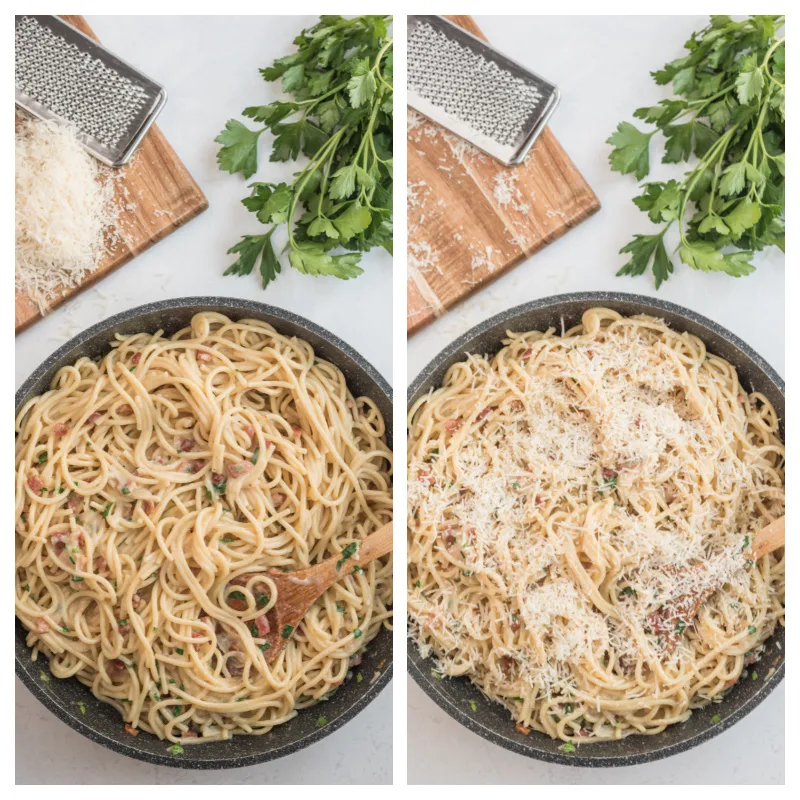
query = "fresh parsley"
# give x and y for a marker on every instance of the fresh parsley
(339, 115)
(729, 111)
(348, 551)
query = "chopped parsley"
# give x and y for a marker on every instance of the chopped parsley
(125, 490)
(322, 721)
(179, 651)
(348, 551)
(628, 591)
(107, 510)
(418, 584)
(82, 707)
(473, 705)
(357, 633)
(262, 599)
(44, 676)
(567, 747)
(515, 485)
(680, 627)
(228, 539)
(357, 568)
(751, 629)
(340, 608)
(76, 579)
(287, 631)
(42, 457)
(359, 677)
(754, 675)
(716, 718)
(236, 596)
(27, 587)
(265, 646)
(175, 750)
(255, 455)
(437, 675)
(746, 542)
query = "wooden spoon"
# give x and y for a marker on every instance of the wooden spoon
(686, 607)
(298, 590)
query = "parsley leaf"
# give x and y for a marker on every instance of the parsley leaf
(339, 115)
(729, 113)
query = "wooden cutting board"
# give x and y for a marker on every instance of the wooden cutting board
(470, 219)
(163, 196)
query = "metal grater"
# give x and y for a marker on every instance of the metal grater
(470, 88)
(60, 74)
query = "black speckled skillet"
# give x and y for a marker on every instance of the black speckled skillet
(458, 696)
(101, 723)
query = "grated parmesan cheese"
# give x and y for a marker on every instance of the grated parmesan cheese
(64, 210)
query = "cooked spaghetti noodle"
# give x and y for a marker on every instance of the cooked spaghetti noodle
(569, 501)
(151, 484)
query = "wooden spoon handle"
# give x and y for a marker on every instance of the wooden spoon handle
(326, 573)
(768, 539)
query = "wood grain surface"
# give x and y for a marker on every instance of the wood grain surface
(161, 194)
(470, 219)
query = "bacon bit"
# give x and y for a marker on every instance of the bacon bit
(189, 735)
(250, 431)
(115, 668)
(60, 429)
(187, 444)
(526, 354)
(35, 483)
(42, 625)
(235, 665)
(485, 413)
(355, 660)
(217, 479)
(128, 728)
(583, 732)
(136, 601)
(149, 507)
(449, 539)
(538, 500)
(452, 425)
(609, 473)
(262, 623)
(507, 663)
(750, 658)
(296, 430)
(522, 728)
(74, 501)
(239, 469)
(590, 354)
(742, 399)
(191, 467)
(95, 418)
(277, 499)
(100, 564)
(204, 357)
(137, 357)
(423, 476)
(125, 410)
(349, 403)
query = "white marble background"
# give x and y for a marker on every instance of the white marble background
(602, 66)
(210, 68)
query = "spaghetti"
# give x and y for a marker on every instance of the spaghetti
(568, 499)
(152, 484)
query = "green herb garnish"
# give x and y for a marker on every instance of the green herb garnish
(255, 455)
(287, 631)
(44, 676)
(716, 718)
(751, 629)
(322, 721)
(107, 510)
(357, 633)
(348, 551)
(729, 112)
(82, 707)
(175, 750)
(179, 650)
(628, 591)
(339, 115)
(473, 705)
(359, 677)
(567, 747)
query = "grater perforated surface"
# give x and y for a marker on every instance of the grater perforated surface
(473, 90)
(59, 73)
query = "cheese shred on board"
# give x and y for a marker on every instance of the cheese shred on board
(580, 513)
(65, 211)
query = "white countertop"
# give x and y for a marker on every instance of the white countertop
(210, 68)
(602, 66)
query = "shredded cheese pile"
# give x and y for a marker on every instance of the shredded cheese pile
(64, 210)
(571, 503)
